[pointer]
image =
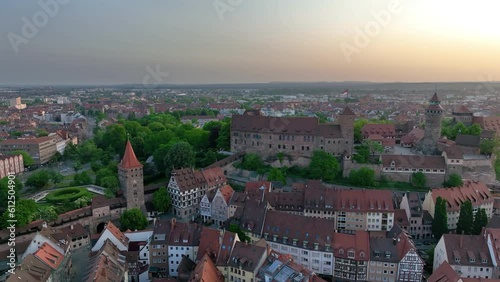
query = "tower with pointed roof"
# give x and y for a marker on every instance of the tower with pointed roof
(131, 179)
(433, 119)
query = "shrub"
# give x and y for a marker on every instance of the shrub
(68, 194)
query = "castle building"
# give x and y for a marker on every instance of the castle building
(131, 179)
(294, 136)
(433, 118)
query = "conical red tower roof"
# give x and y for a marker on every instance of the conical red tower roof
(129, 159)
(435, 98)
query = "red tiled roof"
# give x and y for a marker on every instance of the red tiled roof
(476, 192)
(129, 159)
(444, 273)
(50, 256)
(206, 271)
(359, 243)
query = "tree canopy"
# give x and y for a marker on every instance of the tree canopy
(323, 166)
(480, 221)
(418, 179)
(27, 159)
(133, 219)
(465, 219)
(180, 155)
(362, 177)
(440, 221)
(454, 180)
(161, 200)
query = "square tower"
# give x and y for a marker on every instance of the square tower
(131, 179)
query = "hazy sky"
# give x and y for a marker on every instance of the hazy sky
(117, 41)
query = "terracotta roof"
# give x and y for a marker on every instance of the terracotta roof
(454, 152)
(467, 249)
(213, 176)
(74, 230)
(227, 245)
(414, 161)
(257, 189)
(435, 98)
(50, 256)
(444, 273)
(186, 179)
(359, 243)
(227, 192)
(302, 231)
(247, 256)
(209, 243)
(462, 109)
(129, 159)
(281, 267)
(378, 129)
(488, 123)
(105, 265)
(476, 192)
(286, 201)
(31, 269)
(184, 234)
(116, 232)
(253, 216)
(364, 200)
(206, 271)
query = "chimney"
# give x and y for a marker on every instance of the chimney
(44, 224)
(172, 223)
(71, 226)
(394, 241)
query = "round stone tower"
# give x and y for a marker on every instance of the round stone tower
(433, 119)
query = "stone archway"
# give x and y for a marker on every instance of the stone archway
(100, 227)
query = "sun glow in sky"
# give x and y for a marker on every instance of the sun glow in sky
(114, 41)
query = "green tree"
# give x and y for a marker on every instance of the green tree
(233, 227)
(5, 185)
(252, 161)
(26, 212)
(362, 177)
(77, 166)
(161, 200)
(454, 180)
(133, 219)
(82, 202)
(55, 177)
(27, 159)
(480, 221)
(223, 141)
(277, 174)
(81, 179)
(440, 221)
(323, 166)
(489, 146)
(474, 129)
(373, 147)
(48, 213)
(418, 179)
(180, 155)
(38, 179)
(465, 219)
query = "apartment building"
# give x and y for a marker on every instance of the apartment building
(352, 254)
(307, 240)
(41, 149)
(419, 219)
(183, 241)
(468, 255)
(473, 191)
(158, 251)
(11, 165)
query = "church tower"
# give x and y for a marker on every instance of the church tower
(131, 179)
(433, 119)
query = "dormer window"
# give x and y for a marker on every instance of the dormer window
(295, 242)
(472, 260)
(350, 254)
(457, 259)
(393, 164)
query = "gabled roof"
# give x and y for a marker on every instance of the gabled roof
(359, 243)
(477, 192)
(31, 269)
(129, 159)
(444, 273)
(206, 271)
(50, 256)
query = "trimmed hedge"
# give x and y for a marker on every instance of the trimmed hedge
(68, 194)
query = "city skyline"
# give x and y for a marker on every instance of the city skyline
(221, 41)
